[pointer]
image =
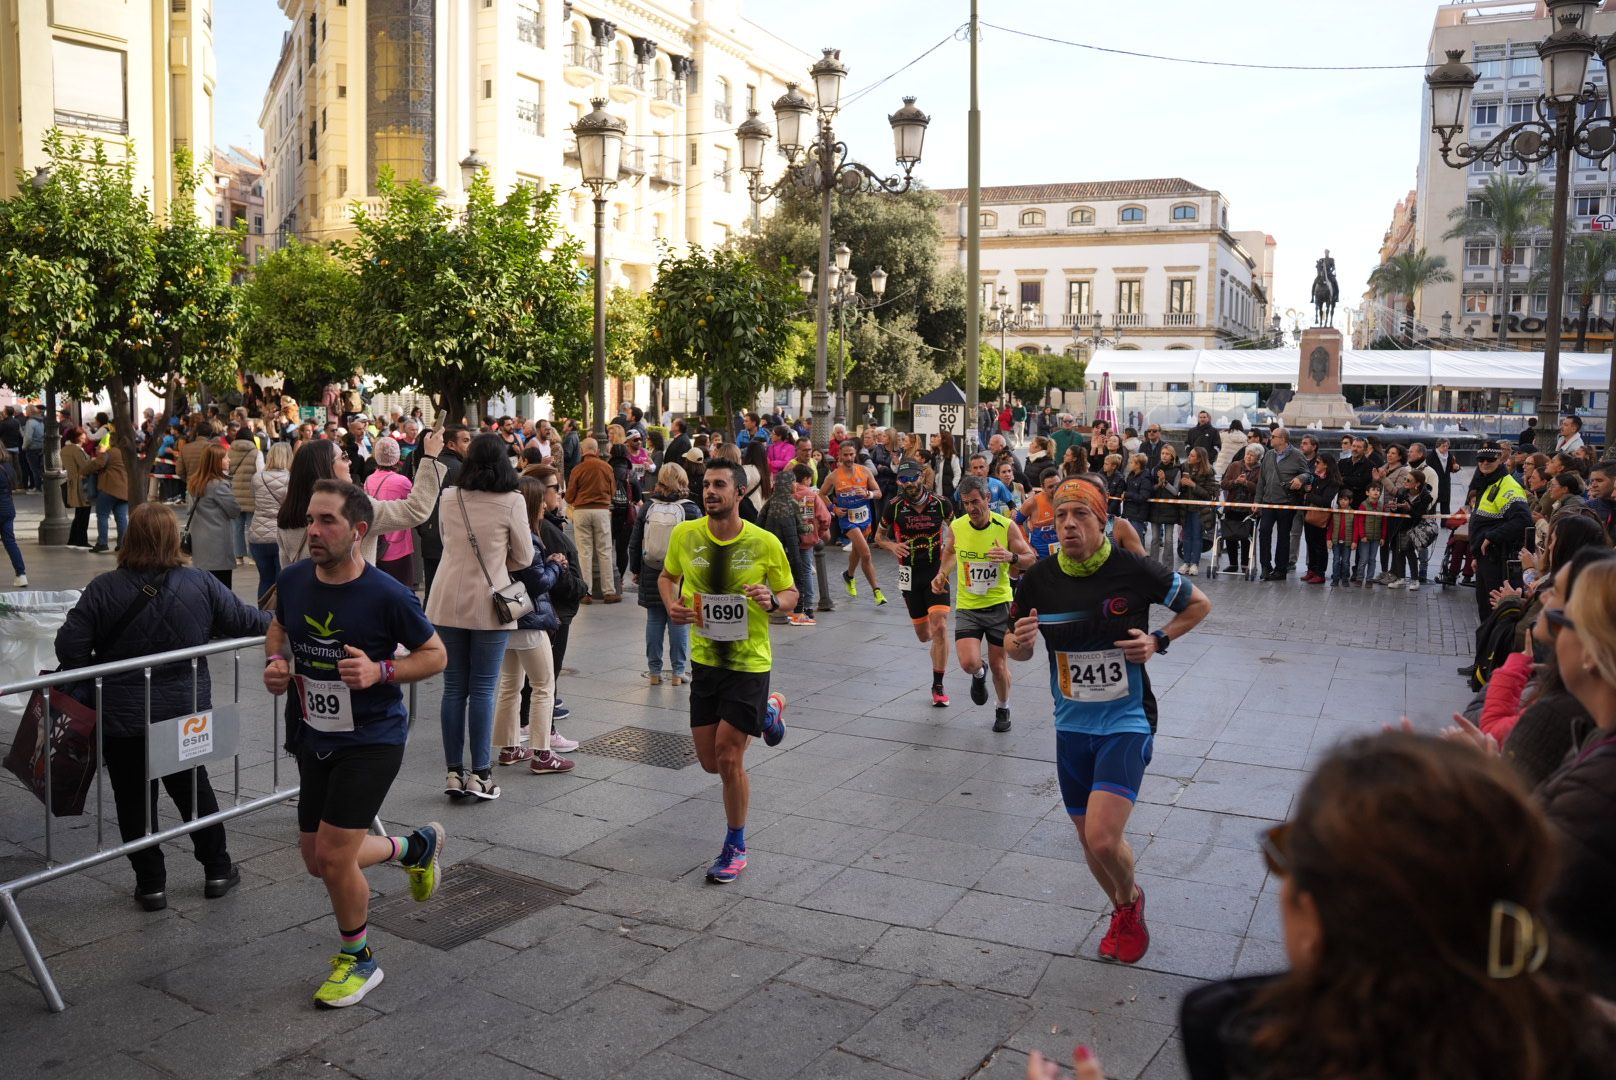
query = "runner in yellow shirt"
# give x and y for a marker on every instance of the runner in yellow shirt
(982, 546)
(726, 576)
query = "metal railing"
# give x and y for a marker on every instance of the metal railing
(667, 170)
(721, 111)
(629, 74)
(90, 122)
(530, 31)
(632, 161)
(98, 673)
(584, 56)
(669, 90)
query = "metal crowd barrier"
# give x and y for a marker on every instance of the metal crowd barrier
(165, 756)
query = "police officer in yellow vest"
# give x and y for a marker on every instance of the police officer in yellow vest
(1498, 526)
(983, 546)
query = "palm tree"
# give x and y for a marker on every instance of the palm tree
(1406, 274)
(1512, 209)
(1590, 258)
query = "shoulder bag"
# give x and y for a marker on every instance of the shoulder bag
(510, 603)
(271, 596)
(185, 533)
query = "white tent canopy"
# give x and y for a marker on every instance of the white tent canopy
(1377, 367)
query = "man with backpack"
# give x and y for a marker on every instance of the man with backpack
(665, 506)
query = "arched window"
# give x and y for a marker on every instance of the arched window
(1032, 218)
(1185, 212)
(1131, 215)
(1080, 216)
(1029, 350)
(989, 220)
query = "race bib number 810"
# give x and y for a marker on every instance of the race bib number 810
(1092, 676)
(721, 616)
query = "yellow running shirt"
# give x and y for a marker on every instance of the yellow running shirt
(731, 631)
(983, 583)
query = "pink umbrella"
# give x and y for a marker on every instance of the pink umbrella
(1106, 409)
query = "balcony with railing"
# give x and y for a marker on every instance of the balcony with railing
(633, 161)
(671, 91)
(1081, 320)
(1181, 318)
(530, 31)
(569, 153)
(112, 125)
(529, 118)
(1130, 318)
(722, 111)
(626, 73)
(667, 170)
(585, 57)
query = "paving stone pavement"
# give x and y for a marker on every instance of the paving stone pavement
(916, 904)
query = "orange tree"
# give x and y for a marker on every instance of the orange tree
(100, 295)
(466, 305)
(719, 315)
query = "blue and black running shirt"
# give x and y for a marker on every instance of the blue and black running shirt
(1096, 690)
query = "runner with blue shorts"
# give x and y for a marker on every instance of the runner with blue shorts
(851, 491)
(1091, 606)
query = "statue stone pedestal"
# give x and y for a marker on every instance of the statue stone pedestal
(1318, 402)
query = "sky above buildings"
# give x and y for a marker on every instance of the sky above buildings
(1317, 159)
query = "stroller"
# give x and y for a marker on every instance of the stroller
(1457, 561)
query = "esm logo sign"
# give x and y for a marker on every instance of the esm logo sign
(196, 736)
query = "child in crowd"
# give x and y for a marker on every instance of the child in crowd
(1374, 528)
(1346, 532)
(1138, 487)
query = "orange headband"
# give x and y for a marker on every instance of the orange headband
(1084, 492)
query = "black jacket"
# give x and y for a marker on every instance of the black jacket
(552, 531)
(1207, 438)
(191, 608)
(431, 538)
(646, 570)
(1356, 476)
(1580, 801)
(539, 578)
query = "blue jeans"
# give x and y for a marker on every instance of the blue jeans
(1189, 538)
(470, 683)
(1341, 564)
(243, 520)
(267, 557)
(8, 537)
(656, 624)
(108, 504)
(1368, 560)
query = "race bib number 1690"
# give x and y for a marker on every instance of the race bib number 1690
(721, 616)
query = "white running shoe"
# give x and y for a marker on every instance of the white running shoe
(1411, 585)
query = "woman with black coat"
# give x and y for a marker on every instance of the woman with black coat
(1320, 496)
(529, 654)
(154, 603)
(1164, 516)
(1414, 501)
(625, 497)
(1239, 484)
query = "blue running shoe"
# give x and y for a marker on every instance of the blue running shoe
(423, 873)
(774, 728)
(731, 861)
(560, 712)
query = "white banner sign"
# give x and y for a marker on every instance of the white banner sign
(936, 419)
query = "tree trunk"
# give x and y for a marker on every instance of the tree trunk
(123, 426)
(1503, 297)
(1582, 324)
(1409, 311)
(726, 423)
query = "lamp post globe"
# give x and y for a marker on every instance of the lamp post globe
(470, 166)
(1565, 55)
(828, 74)
(908, 133)
(791, 111)
(805, 281)
(878, 282)
(752, 135)
(1450, 86)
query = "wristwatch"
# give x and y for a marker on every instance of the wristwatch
(1162, 641)
(774, 600)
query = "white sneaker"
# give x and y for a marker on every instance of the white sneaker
(22, 581)
(560, 743)
(1411, 585)
(1395, 583)
(1192, 569)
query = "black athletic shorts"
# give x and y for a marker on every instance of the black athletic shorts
(345, 787)
(739, 698)
(920, 600)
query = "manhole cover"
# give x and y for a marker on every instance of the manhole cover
(663, 749)
(471, 900)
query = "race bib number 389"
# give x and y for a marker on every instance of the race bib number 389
(1092, 676)
(327, 706)
(721, 616)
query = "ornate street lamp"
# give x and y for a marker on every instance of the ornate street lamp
(1097, 340)
(470, 166)
(842, 285)
(600, 152)
(1004, 318)
(817, 162)
(1554, 133)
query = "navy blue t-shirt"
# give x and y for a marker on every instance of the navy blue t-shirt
(373, 613)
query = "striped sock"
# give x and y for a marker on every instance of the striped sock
(407, 850)
(357, 942)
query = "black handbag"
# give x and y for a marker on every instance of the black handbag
(185, 533)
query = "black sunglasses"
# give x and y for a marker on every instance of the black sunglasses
(1558, 619)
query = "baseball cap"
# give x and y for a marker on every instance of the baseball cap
(908, 472)
(694, 454)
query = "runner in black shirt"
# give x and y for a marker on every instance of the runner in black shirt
(912, 529)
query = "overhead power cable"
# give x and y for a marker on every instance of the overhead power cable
(1207, 63)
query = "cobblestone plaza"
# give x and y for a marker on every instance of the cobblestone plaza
(917, 904)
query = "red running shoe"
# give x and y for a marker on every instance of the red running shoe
(939, 700)
(1132, 938)
(1108, 944)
